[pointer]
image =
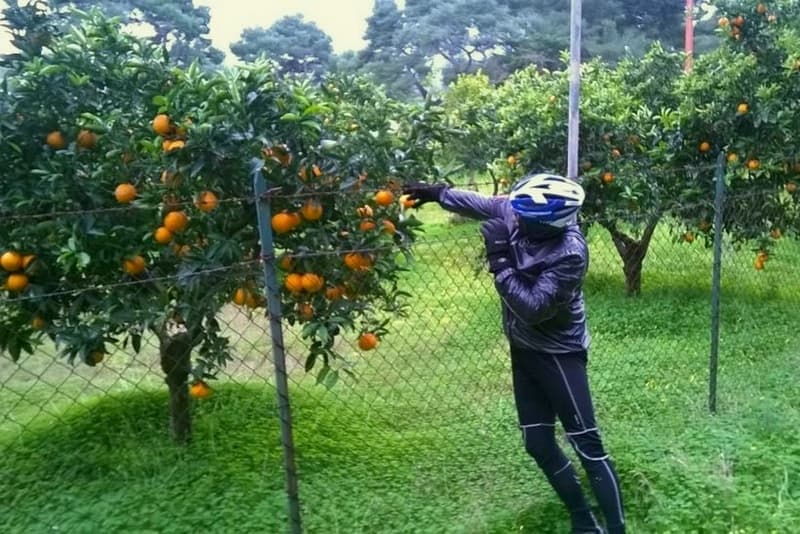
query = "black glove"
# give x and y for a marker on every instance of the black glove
(421, 192)
(498, 251)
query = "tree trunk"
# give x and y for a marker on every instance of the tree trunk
(632, 252)
(176, 350)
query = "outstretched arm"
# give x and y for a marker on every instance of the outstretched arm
(466, 203)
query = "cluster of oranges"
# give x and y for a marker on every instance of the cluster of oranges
(305, 286)
(86, 139)
(175, 220)
(17, 265)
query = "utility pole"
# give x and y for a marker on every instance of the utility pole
(574, 89)
(689, 46)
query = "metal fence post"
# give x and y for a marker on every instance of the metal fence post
(573, 125)
(263, 209)
(719, 206)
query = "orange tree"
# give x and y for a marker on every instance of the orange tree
(743, 99)
(650, 134)
(129, 183)
(624, 135)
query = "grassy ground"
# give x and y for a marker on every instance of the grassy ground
(426, 441)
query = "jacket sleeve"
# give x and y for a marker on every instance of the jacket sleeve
(472, 204)
(535, 301)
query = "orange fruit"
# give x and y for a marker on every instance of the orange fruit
(312, 282)
(364, 211)
(170, 179)
(283, 223)
(776, 233)
(389, 227)
(56, 140)
(791, 187)
(286, 263)
(316, 170)
(293, 283)
(169, 146)
(705, 146)
(240, 296)
(384, 198)
(334, 292)
(125, 193)
(134, 266)
(761, 9)
(11, 261)
(742, 108)
(162, 236)
(312, 210)
(616, 153)
(367, 341)
(38, 323)
(176, 221)
(733, 157)
(356, 261)
(758, 264)
(753, 164)
(772, 18)
(608, 178)
(724, 22)
(161, 124)
(305, 311)
(280, 153)
(254, 300)
(739, 21)
(181, 250)
(366, 225)
(87, 139)
(17, 282)
(407, 202)
(762, 255)
(511, 160)
(704, 226)
(200, 390)
(27, 260)
(688, 237)
(206, 201)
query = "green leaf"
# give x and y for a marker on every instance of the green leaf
(331, 379)
(310, 361)
(323, 373)
(136, 342)
(290, 117)
(160, 101)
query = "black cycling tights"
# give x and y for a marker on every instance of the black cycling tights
(546, 386)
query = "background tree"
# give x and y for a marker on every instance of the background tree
(297, 45)
(178, 24)
(400, 66)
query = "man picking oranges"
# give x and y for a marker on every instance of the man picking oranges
(538, 257)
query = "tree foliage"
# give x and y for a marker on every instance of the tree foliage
(297, 45)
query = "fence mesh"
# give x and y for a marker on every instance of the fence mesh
(424, 437)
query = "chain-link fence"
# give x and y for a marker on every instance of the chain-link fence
(421, 434)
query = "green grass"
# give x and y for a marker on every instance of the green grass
(426, 441)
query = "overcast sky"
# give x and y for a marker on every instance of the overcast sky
(344, 20)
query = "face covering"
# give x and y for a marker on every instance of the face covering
(536, 230)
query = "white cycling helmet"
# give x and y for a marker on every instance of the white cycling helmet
(547, 199)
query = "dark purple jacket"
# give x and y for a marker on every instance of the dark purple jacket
(543, 306)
